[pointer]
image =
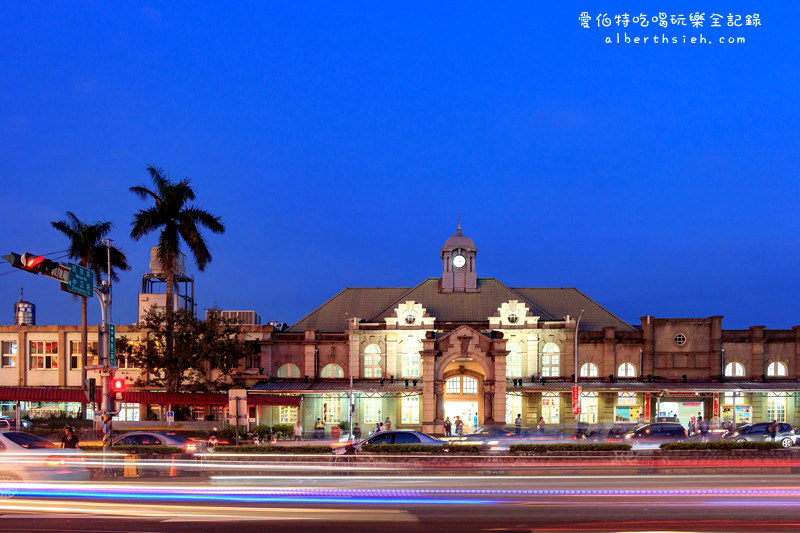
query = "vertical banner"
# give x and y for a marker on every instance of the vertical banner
(647, 407)
(716, 405)
(576, 399)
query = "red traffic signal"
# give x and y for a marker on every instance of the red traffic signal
(32, 263)
(118, 385)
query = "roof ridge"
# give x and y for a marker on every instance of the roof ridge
(539, 309)
(600, 306)
(382, 311)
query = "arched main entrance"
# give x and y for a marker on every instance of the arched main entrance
(464, 394)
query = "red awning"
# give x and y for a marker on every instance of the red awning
(273, 399)
(43, 394)
(175, 398)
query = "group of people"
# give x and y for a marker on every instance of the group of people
(385, 426)
(698, 427)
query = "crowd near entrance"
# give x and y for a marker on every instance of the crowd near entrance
(463, 399)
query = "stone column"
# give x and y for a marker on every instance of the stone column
(488, 402)
(715, 357)
(794, 372)
(567, 365)
(391, 356)
(354, 355)
(309, 346)
(609, 352)
(428, 393)
(648, 345)
(438, 389)
(757, 351)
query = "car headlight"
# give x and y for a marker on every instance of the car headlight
(629, 435)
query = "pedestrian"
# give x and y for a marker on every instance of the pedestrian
(518, 425)
(69, 440)
(319, 429)
(459, 426)
(448, 427)
(691, 428)
(475, 421)
(773, 430)
(540, 424)
(703, 427)
(212, 442)
(356, 431)
(256, 440)
(298, 431)
(388, 424)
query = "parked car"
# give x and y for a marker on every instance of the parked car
(159, 438)
(500, 438)
(27, 457)
(7, 422)
(619, 430)
(395, 436)
(657, 433)
(759, 432)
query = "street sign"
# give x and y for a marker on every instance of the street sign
(576, 399)
(170, 417)
(81, 280)
(61, 273)
(112, 345)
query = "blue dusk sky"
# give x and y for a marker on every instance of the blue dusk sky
(340, 141)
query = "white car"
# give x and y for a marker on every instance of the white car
(26, 457)
(396, 436)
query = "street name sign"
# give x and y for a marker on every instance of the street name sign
(112, 345)
(81, 280)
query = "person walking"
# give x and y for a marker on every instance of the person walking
(459, 426)
(298, 431)
(388, 424)
(69, 440)
(540, 424)
(773, 430)
(356, 431)
(319, 429)
(448, 427)
(703, 427)
(212, 442)
(518, 425)
(475, 422)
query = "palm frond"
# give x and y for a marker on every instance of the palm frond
(146, 221)
(204, 218)
(194, 240)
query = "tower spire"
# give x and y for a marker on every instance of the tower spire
(458, 229)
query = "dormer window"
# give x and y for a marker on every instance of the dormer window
(410, 318)
(513, 318)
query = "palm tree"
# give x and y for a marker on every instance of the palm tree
(177, 220)
(87, 248)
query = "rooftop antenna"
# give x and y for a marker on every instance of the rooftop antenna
(458, 230)
(21, 290)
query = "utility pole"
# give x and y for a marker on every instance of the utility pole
(104, 295)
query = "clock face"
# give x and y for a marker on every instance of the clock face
(459, 261)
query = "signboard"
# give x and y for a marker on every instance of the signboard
(81, 280)
(170, 417)
(112, 345)
(576, 399)
(237, 407)
(716, 405)
(61, 273)
(647, 407)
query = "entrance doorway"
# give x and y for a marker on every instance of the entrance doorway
(467, 411)
(681, 412)
(462, 400)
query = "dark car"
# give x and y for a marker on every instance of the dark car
(658, 433)
(759, 432)
(159, 438)
(619, 430)
(396, 436)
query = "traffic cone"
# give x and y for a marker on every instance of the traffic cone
(173, 470)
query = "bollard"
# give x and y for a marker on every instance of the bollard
(131, 468)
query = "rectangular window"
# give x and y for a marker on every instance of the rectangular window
(550, 365)
(331, 408)
(550, 407)
(8, 349)
(453, 386)
(513, 407)
(626, 398)
(410, 407)
(776, 407)
(589, 407)
(372, 365)
(469, 386)
(75, 354)
(44, 355)
(288, 414)
(411, 365)
(514, 365)
(373, 410)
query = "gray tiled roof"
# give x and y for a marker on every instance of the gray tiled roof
(375, 304)
(337, 385)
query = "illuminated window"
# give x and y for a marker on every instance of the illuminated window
(372, 361)
(777, 369)
(550, 360)
(513, 407)
(469, 386)
(734, 370)
(626, 398)
(588, 370)
(75, 354)
(410, 408)
(373, 410)
(44, 355)
(331, 408)
(8, 350)
(776, 406)
(589, 407)
(288, 414)
(289, 370)
(461, 385)
(411, 360)
(728, 400)
(128, 413)
(514, 360)
(550, 406)
(453, 385)
(626, 370)
(332, 370)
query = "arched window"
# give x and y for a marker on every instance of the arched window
(734, 370)
(588, 370)
(551, 360)
(411, 363)
(626, 370)
(777, 369)
(589, 407)
(372, 361)
(332, 370)
(461, 385)
(289, 370)
(513, 360)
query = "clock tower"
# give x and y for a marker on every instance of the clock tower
(458, 264)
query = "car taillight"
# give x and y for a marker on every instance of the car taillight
(55, 460)
(191, 447)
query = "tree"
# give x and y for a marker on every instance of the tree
(177, 220)
(86, 247)
(204, 354)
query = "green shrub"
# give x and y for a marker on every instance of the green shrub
(344, 425)
(569, 447)
(275, 449)
(721, 445)
(283, 431)
(138, 450)
(420, 448)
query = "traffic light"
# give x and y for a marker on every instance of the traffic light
(91, 390)
(118, 385)
(35, 264)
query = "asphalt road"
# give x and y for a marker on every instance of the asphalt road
(413, 503)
